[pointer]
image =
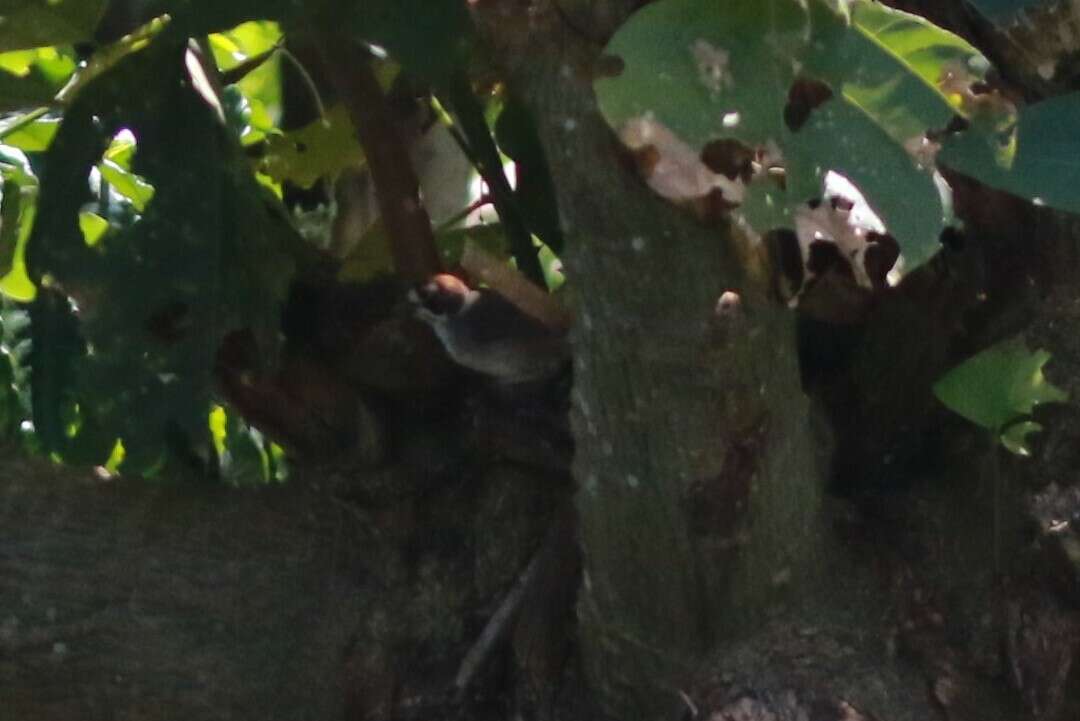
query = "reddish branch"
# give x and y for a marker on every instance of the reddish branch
(412, 243)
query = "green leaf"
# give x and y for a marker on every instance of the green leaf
(999, 386)
(210, 255)
(890, 65)
(902, 195)
(666, 49)
(321, 148)
(247, 40)
(18, 210)
(49, 64)
(243, 458)
(128, 184)
(93, 226)
(248, 57)
(31, 137)
(1015, 437)
(709, 71)
(10, 210)
(1037, 157)
(14, 165)
(33, 23)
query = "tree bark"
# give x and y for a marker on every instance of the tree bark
(345, 593)
(700, 487)
(125, 600)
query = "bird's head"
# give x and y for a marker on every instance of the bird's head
(441, 297)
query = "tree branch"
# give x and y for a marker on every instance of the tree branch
(397, 189)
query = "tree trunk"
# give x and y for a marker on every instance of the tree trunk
(699, 482)
(710, 578)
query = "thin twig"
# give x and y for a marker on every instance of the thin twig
(464, 213)
(305, 76)
(496, 628)
(397, 189)
(489, 164)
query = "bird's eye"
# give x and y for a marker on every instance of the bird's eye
(437, 300)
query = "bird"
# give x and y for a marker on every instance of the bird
(483, 331)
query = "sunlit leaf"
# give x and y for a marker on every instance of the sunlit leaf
(31, 137)
(30, 78)
(553, 269)
(18, 211)
(16, 284)
(319, 149)
(49, 63)
(217, 425)
(245, 41)
(116, 457)
(128, 184)
(999, 386)
(247, 56)
(243, 459)
(93, 226)
(1015, 437)
(279, 463)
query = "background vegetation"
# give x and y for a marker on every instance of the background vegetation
(829, 501)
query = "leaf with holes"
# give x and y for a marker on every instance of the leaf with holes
(322, 148)
(1037, 157)
(802, 85)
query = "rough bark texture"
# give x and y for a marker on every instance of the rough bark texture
(124, 601)
(696, 465)
(707, 585)
(699, 488)
(356, 598)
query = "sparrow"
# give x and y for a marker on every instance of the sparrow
(483, 331)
